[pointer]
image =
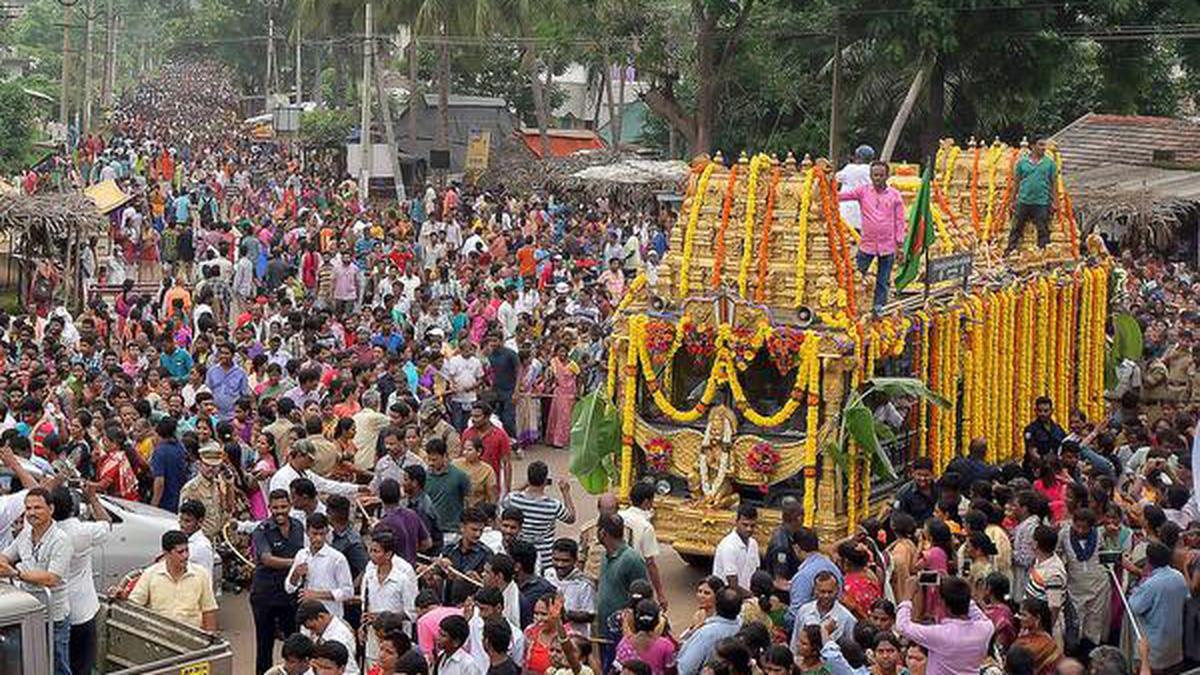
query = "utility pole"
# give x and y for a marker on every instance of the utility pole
(110, 23)
(385, 111)
(64, 109)
(112, 61)
(86, 125)
(299, 92)
(835, 124)
(364, 136)
(270, 57)
(412, 90)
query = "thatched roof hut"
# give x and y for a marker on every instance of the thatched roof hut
(47, 222)
(52, 226)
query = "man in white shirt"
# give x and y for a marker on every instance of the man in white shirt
(200, 548)
(464, 373)
(81, 588)
(319, 625)
(300, 460)
(578, 591)
(13, 505)
(855, 174)
(389, 584)
(320, 572)
(506, 316)
(736, 557)
(453, 659)
(638, 519)
(490, 604)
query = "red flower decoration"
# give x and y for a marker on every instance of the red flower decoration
(763, 458)
(658, 454)
(784, 346)
(700, 341)
(659, 337)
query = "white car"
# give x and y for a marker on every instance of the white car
(136, 538)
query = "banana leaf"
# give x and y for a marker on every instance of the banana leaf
(595, 433)
(596, 481)
(864, 429)
(1127, 338)
(908, 386)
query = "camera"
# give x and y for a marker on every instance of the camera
(928, 578)
(1110, 557)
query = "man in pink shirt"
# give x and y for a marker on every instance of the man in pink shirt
(957, 643)
(883, 228)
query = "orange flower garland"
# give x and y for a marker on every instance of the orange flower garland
(764, 244)
(1008, 185)
(719, 245)
(837, 242)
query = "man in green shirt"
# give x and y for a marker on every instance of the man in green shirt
(447, 487)
(1037, 195)
(621, 567)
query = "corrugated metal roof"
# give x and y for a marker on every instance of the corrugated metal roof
(1128, 179)
(563, 142)
(1096, 140)
(464, 101)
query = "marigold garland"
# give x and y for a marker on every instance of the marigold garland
(748, 222)
(993, 163)
(811, 432)
(638, 283)
(719, 245)
(802, 236)
(1009, 184)
(974, 189)
(689, 234)
(951, 161)
(764, 244)
(627, 409)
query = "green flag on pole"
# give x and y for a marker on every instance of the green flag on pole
(921, 231)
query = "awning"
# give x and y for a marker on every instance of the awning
(107, 196)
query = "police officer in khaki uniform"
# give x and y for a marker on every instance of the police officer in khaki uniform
(212, 489)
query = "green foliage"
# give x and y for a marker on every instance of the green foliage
(492, 71)
(857, 424)
(325, 128)
(16, 128)
(595, 436)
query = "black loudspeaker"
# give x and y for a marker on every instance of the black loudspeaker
(439, 159)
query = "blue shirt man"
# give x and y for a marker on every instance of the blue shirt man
(169, 466)
(228, 382)
(812, 563)
(699, 647)
(1157, 603)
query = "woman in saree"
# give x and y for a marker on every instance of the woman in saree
(1035, 622)
(563, 372)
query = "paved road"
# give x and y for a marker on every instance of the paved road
(679, 579)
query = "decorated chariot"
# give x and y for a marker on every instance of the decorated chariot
(741, 374)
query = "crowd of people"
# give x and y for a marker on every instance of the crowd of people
(337, 392)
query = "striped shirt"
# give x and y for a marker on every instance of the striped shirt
(540, 513)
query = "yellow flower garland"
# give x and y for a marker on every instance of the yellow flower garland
(1083, 395)
(802, 236)
(951, 160)
(748, 223)
(689, 234)
(993, 163)
(628, 410)
(922, 407)
(811, 356)
(634, 287)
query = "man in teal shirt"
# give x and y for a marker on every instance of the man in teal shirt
(447, 487)
(1037, 195)
(621, 567)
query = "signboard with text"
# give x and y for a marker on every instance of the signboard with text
(957, 266)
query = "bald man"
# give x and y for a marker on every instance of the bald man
(591, 553)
